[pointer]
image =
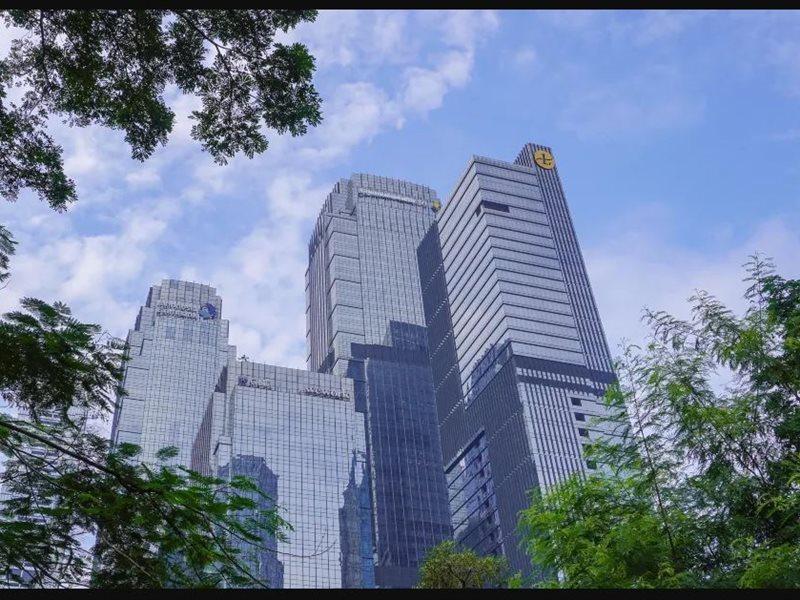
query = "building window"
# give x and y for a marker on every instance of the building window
(487, 204)
(495, 206)
(583, 432)
(580, 416)
(576, 401)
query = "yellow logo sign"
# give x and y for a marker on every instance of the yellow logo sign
(544, 159)
(436, 205)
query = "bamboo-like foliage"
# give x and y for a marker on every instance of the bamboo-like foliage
(446, 566)
(703, 491)
(155, 525)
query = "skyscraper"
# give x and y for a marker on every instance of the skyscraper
(455, 360)
(299, 436)
(518, 354)
(362, 270)
(177, 350)
(365, 321)
(295, 433)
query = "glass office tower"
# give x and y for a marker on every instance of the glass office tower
(177, 350)
(365, 320)
(518, 354)
(298, 434)
(263, 559)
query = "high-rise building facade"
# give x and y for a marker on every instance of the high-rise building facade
(518, 354)
(455, 357)
(362, 270)
(365, 321)
(295, 433)
(262, 559)
(298, 435)
(176, 352)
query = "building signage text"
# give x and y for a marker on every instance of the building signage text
(252, 382)
(171, 309)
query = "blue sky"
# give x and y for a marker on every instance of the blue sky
(677, 137)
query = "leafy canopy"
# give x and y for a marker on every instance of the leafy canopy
(112, 67)
(704, 491)
(7, 244)
(155, 525)
(446, 566)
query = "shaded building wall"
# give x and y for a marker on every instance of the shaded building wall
(355, 528)
(365, 321)
(411, 510)
(519, 359)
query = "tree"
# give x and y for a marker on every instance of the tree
(157, 526)
(111, 67)
(7, 244)
(445, 566)
(704, 491)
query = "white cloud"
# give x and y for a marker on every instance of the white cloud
(425, 88)
(655, 99)
(390, 39)
(346, 38)
(788, 135)
(143, 178)
(642, 268)
(86, 271)
(88, 150)
(525, 57)
(641, 27)
(355, 113)
(292, 197)
(331, 37)
(464, 28)
(261, 278)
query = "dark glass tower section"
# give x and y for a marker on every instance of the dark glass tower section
(262, 559)
(365, 321)
(518, 354)
(355, 529)
(405, 450)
